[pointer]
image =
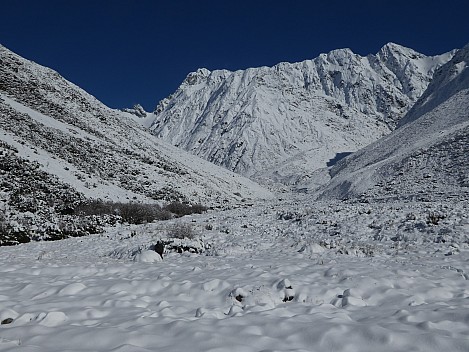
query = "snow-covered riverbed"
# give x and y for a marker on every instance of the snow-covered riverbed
(279, 277)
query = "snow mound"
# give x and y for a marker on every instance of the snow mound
(148, 257)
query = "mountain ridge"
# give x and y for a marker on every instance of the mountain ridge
(285, 121)
(426, 156)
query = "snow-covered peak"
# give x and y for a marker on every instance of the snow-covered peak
(426, 157)
(199, 76)
(338, 56)
(202, 75)
(395, 50)
(447, 81)
(284, 121)
(412, 69)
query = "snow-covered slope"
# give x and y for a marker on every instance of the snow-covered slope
(280, 123)
(58, 121)
(57, 132)
(427, 156)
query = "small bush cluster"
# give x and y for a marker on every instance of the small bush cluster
(434, 218)
(133, 213)
(181, 231)
(16, 229)
(137, 213)
(181, 209)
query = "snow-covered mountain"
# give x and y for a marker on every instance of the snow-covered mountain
(280, 123)
(57, 140)
(291, 274)
(426, 157)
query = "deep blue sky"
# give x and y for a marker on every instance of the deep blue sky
(137, 51)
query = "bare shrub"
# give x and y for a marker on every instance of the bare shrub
(3, 222)
(434, 218)
(181, 209)
(137, 213)
(96, 207)
(181, 231)
(133, 213)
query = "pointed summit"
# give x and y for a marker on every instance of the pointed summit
(393, 47)
(197, 77)
(447, 81)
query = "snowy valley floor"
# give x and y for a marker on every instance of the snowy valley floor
(272, 277)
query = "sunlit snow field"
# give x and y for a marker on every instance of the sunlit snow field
(272, 277)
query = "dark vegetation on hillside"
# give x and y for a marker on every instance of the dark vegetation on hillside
(91, 137)
(35, 205)
(90, 157)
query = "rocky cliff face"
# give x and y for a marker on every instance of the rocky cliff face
(281, 123)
